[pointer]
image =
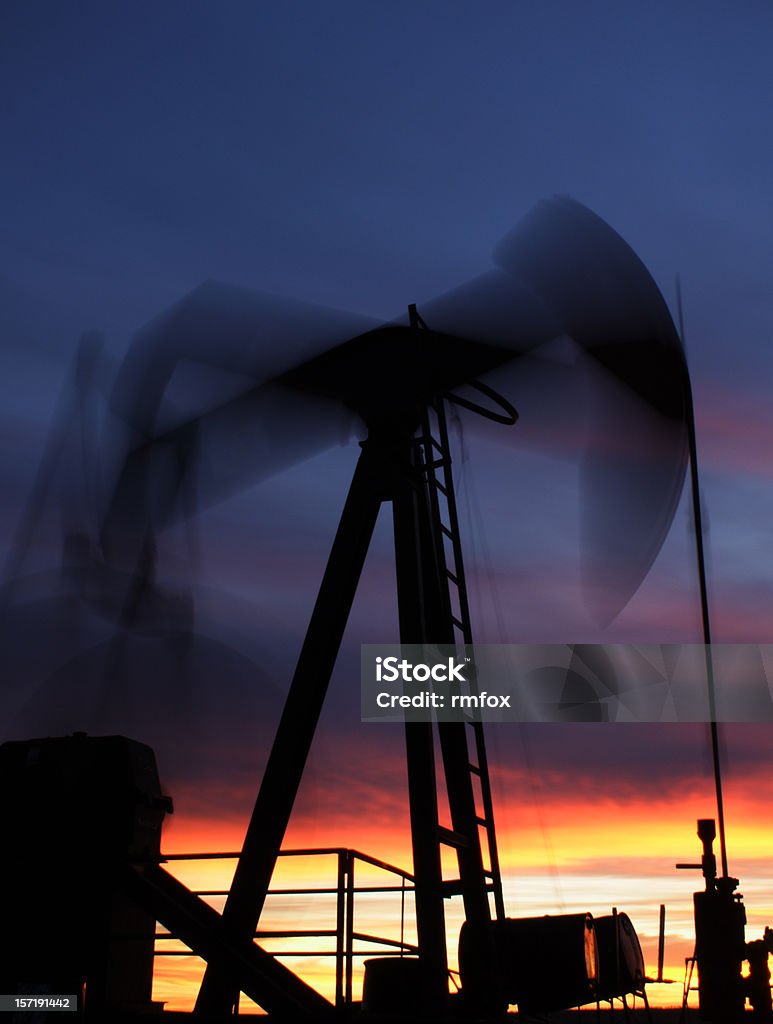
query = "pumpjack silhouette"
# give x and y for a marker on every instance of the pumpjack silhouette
(311, 377)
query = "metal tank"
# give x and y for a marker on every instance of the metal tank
(543, 963)
(621, 961)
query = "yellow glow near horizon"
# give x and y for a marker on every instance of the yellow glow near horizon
(578, 854)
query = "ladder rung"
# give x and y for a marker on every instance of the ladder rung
(474, 769)
(448, 837)
(423, 443)
(453, 886)
(441, 487)
(457, 622)
(444, 529)
(483, 821)
(452, 576)
(436, 464)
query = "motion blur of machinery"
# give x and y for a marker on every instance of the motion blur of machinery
(721, 947)
(561, 276)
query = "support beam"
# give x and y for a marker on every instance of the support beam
(242, 962)
(416, 607)
(295, 733)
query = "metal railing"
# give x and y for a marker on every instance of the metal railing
(345, 934)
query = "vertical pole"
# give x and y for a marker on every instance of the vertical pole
(402, 917)
(340, 926)
(661, 941)
(704, 596)
(420, 749)
(349, 942)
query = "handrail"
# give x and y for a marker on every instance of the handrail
(316, 851)
(344, 932)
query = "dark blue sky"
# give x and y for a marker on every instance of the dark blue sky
(367, 155)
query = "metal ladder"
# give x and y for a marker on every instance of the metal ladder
(434, 459)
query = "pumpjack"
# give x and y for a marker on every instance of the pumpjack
(562, 273)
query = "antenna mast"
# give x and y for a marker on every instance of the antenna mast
(706, 624)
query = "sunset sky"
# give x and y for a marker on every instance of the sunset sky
(365, 156)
